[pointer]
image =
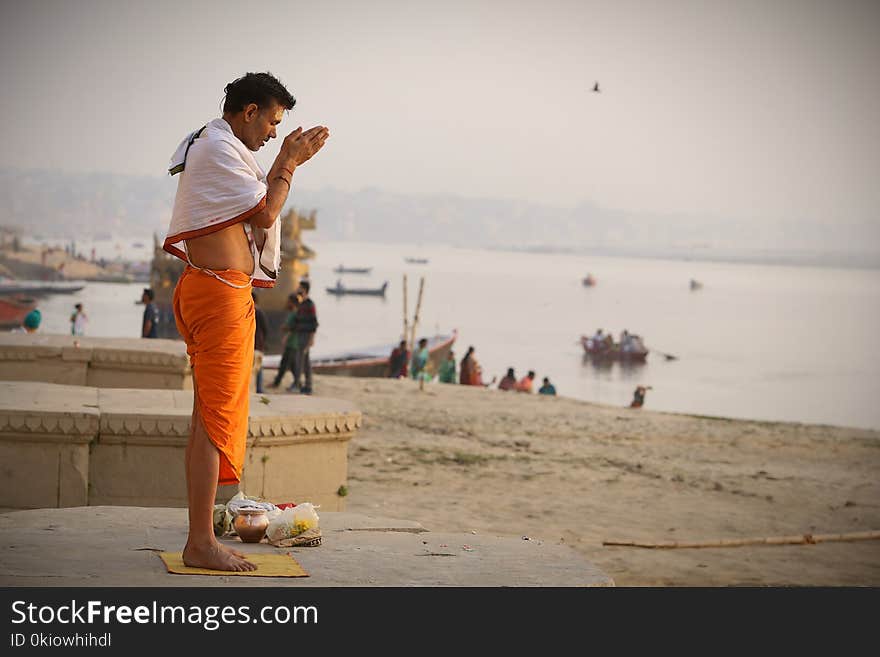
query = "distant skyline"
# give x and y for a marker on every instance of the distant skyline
(755, 109)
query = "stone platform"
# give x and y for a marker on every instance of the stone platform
(67, 445)
(97, 362)
(115, 546)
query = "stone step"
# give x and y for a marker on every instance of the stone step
(115, 546)
(65, 445)
(98, 362)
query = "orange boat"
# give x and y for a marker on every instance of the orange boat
(13, 310)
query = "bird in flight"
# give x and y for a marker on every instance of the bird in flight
(596, 88)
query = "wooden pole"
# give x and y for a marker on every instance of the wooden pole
(802, 539)
(405, 311)
(416, 316)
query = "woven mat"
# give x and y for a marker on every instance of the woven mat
(268, 565)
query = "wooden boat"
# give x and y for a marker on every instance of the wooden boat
(341, 290)
(13, 310)
(695, 284)
(342, 269)
(370, 361)
(589, 280)
(614, 352)
(417, 261)
(15, 286)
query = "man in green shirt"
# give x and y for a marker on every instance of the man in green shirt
(420, 361)
(447, 369)
(288, 357)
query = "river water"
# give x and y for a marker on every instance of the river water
(770, 342)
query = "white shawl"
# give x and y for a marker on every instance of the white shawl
(221, 184)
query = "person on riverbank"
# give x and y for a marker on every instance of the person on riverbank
(305, 327)
(465, 372)
(150, 322)
(420, 361)
(525, 383)
(288, 355)
(447, 369)
(30, 323)
(639, 397)
(471, 373)
(547, 388)
(224, 227)
(78, 320)
(397, 361)
(508, 381)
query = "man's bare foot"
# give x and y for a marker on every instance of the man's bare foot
(215, 557)
(233, 550)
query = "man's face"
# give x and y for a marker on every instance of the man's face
(259, 125)
(301, 293)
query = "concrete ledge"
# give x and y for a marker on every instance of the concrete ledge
(126, 447)
(45, 432)
(98, 362)
(115, 546)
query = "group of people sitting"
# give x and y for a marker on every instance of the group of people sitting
(470, 372)
(510, 382)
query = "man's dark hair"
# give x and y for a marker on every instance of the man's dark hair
(258, 88)
(149, 293)
(305, 285)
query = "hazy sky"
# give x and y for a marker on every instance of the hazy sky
(764, 108)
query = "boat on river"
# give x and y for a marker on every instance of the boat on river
(13, 310)
(341, 290)
(633, 350)
(36, 288)
(342, 269)
(369, 361)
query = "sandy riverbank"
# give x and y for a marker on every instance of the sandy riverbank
(560, 470)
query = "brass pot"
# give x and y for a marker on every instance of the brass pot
(250, 525)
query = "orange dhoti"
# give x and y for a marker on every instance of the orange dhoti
(217, 322)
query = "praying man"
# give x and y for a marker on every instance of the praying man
(224, 227)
